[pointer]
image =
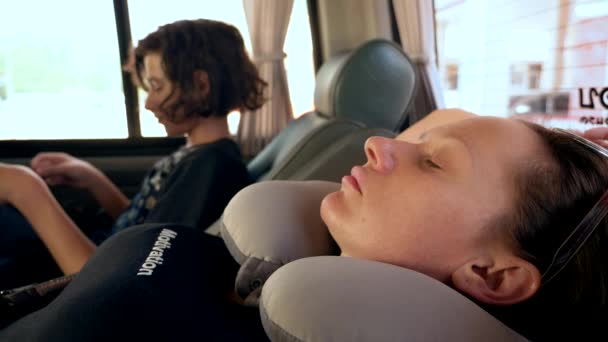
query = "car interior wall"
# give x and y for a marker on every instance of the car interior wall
(337, 30)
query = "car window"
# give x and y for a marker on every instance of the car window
(60, 74)
(147, 15)
(545, 61)
(57, 81)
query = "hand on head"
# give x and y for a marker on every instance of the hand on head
(599, 135)
(61, 168)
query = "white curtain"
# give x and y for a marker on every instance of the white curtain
(416, 23)
(267, 21)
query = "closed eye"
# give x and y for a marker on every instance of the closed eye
(430, 163)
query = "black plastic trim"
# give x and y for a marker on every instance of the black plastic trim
(313, 18)
(123, 30)
(84, 148)
(394, 26)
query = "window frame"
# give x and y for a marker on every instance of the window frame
(14, 149)
(123, 31)
(134, 143)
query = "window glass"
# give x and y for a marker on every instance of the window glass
(545, 61)
(147, 15)
(60, 74)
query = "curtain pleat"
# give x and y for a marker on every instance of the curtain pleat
(415, 21)
(268, 21)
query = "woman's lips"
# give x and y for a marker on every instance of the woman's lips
(354, 178)
(352, 182)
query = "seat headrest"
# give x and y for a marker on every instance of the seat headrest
(274, 230)
(373, 84)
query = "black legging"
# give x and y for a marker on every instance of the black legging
(23, 257)
(143, 284)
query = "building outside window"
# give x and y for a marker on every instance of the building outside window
(545, 61)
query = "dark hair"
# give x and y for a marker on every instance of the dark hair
(215, 47)
(552, 198)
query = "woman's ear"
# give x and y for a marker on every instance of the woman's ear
(503, 281)
(201, 82)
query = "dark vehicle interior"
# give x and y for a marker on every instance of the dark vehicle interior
(350, 70)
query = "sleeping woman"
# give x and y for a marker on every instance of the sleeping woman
(508, 213)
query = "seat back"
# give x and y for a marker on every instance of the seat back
(371, 86)
(328, 153)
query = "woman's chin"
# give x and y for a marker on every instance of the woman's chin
(332, 206)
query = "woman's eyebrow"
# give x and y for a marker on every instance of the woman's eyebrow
(468, 156)
(435, 131)
(465, 153)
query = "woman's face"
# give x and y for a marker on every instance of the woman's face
(427, 205)
(160, 98)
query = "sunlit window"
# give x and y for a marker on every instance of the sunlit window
(60, 76)
(147, 15)
(545, 60)
(451, 76)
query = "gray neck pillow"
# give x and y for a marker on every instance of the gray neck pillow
(306, 292)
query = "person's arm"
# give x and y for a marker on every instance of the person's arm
(436, 118)
(62, 168)
(108, 195)
(23, 189)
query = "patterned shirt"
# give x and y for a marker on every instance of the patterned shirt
(146, 198)
(190, 187)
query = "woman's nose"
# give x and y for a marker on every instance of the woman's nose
(380, 153)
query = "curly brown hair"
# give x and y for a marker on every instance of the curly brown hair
(187, 46)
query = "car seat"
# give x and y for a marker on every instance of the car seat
(362, 93)
(358, 94)
(371, 86)
(305, 292)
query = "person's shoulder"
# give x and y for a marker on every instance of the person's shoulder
(225, 148)
(221, 160)
(223, 153)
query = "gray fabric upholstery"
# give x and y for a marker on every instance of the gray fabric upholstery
(283, 144)
(274, 230)
(371, 86)
(328, 153)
